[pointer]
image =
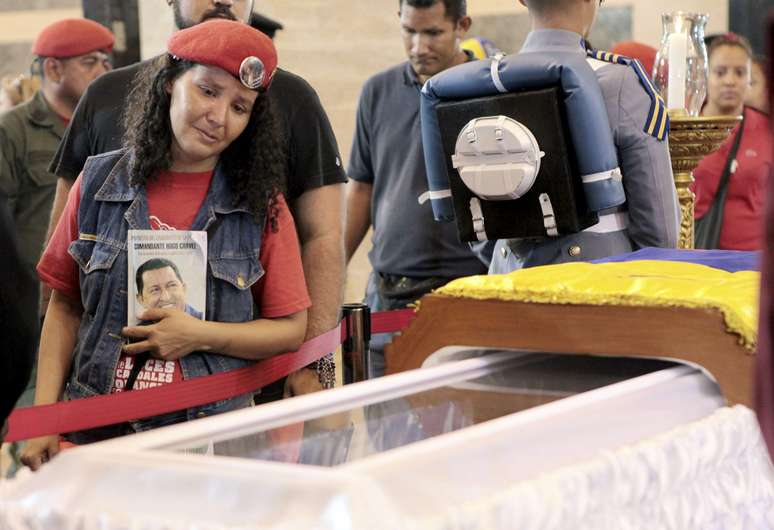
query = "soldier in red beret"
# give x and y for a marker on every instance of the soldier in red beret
(203, 152)
(69, 55)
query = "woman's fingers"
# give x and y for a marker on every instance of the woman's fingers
(136, 332)
(38, 451)
(155, 314)
(138, 347)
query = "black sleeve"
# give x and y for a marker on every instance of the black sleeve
(313, 154)
(18, 317)
(96, 126)
(360, 164)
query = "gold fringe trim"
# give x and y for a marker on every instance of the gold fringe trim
(635, 283)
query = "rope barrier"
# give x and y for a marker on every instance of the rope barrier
(391, 321)
(81, 414)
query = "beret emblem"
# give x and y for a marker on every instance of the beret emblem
(252, 72)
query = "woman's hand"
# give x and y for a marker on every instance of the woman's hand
(38, 451)
(173, 335)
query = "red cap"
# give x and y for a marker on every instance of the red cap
(72, 37)
(637, 50)
(242, 51)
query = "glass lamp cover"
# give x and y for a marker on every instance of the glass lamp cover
(680, 70)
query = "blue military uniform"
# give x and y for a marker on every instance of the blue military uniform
(638, 122)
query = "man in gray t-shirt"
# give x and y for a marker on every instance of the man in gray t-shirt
(412, 254)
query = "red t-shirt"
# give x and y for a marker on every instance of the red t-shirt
(281, 291)
(742, 227)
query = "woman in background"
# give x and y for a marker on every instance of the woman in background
(731, 182)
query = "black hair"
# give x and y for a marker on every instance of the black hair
(152, 265)
(455, 9)
(254, 163)
(729, 39)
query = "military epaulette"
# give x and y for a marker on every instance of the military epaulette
(657, 124)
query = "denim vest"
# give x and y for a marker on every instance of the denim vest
(109, 207)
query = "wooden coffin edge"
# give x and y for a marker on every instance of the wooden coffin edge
(686, 334)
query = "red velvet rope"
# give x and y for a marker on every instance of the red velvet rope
(68, 416)
(391, 321)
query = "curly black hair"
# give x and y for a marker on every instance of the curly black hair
(254, 163)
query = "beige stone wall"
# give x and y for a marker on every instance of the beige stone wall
(19, 29)
(334, 44)
(647, 13)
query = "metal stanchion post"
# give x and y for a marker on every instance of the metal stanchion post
(357, 322)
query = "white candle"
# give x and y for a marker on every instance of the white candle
(678, 52)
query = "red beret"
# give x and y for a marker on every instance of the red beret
(637, 50)
(242, 51)
(72, 37)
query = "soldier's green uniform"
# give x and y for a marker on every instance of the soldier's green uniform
(29, 137)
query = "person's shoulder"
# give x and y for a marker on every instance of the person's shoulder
(115, 84)
(389, 76)
(116, 154)
(756, 118)
(98, 167)
(14, 117)
(293, 95)
(612, 72)
(620, 77)
(384, 83)
(110, 158)
(13, 123)
(289, 86)
(120, 75)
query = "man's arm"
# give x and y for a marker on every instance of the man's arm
(63, 187)
(57, 341)
(319, 220)
(9, 158)
(651, 196)
(358, 214)
(67, 163)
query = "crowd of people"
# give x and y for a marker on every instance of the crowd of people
(214, 136)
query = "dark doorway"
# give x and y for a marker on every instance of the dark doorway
(748, 18)
(122, 18)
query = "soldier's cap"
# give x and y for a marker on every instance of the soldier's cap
(72, 37)
(240, 50)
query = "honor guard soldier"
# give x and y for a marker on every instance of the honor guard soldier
(629, 203)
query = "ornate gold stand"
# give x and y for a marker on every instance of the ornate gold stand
(690, 140)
